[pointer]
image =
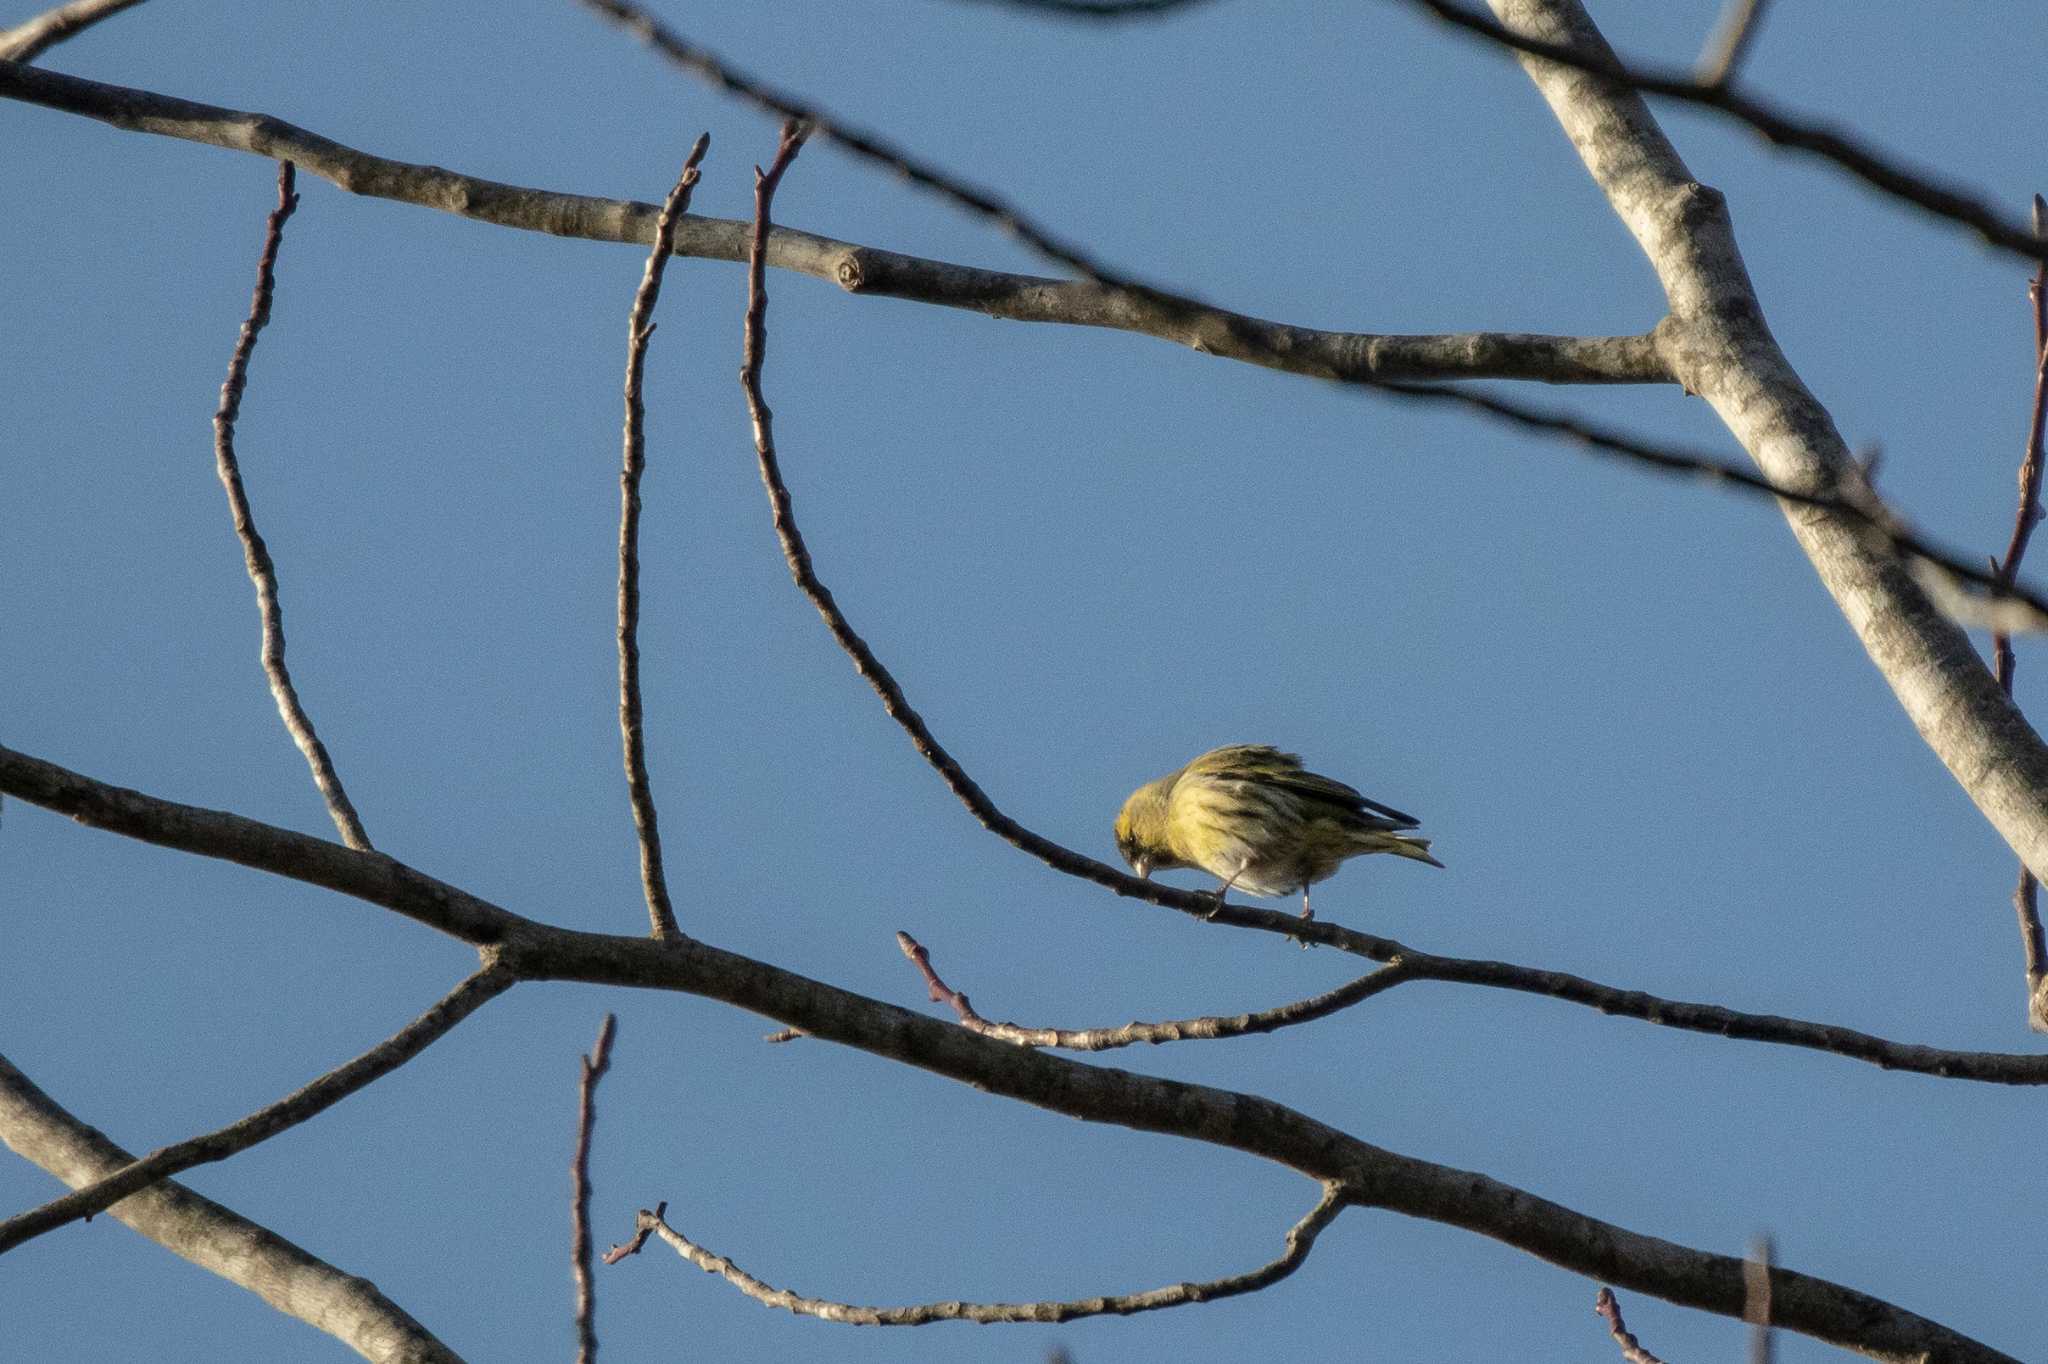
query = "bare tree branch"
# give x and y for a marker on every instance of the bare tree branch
(1176, 1030)
(1873, 167)
(1725, 353)
(1632, 1351)
(1371, 1175)
(2028, 515)
(1301, 1238)
(217, 1240)
(1740, 20)
(594, 1066)
(382, 880)
(863, 270)
(27, 41)
(265, 1123)
(1111, 10)
(632, 731)
(262, 572)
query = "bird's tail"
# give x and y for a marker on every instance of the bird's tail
(1406, 845)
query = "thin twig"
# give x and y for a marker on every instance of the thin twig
(1921, 189)
(1756, 1300)
(1724, 51)
(1632, 1351)
(265, 1123)
(594, 1066)
(381, 880)
(1301, 1239)
(215, 1238)
(1202, 1029)
(29, 40)
(1110, 10)
(262, 572)
(2025, 895)
(632, 732)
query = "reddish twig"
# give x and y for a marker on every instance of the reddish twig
(594, 1066)
(262, 572)
(643, 1228)
(632, 732)
(2028, 515)
(1632, 1350)
(1204, 1029)
(1301, 1238)
(265, 1123)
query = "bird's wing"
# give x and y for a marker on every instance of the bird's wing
(1263, 763)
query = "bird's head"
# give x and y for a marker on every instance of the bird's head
(1141, 830)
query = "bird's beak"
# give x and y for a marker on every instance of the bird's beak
(1143, 867)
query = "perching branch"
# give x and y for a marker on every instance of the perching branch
(632, 730)
(594, 1066)
(219, 1241)
(262, 572)
(1371, 1175)
(265, 1123)
(381, 880)
(1301, 1238)
(1176, 1030)
(29, 40)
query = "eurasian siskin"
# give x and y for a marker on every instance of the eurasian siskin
(1252, 817)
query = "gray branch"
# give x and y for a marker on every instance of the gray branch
(288, 1278)
(865, 270)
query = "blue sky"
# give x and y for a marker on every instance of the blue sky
(1649, 748)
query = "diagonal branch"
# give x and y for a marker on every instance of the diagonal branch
(265, 1123)
(1740, 20)
(30, 39)
(1372, 1176)
(632, 732)
(1921, 189)
(381, 880)
(197, 1229)
(864, 270)
(1725, 353)
(1301, 1239)
(262, 572)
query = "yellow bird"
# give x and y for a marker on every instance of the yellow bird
(1255, 819)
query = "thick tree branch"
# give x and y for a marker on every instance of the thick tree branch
(255, 554)
(632, 731)
(307, 1102)
(864, 270)
(1301, 1238)
(1719, 345)
(29, 40)
(199, 1230)
(1371, 1176)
